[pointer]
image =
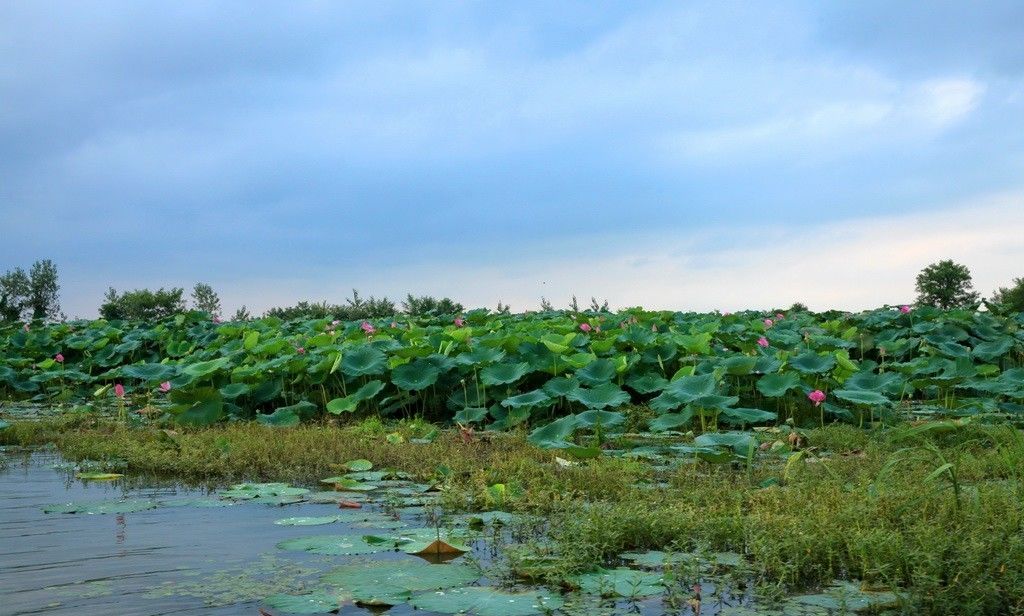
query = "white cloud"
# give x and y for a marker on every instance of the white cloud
(851, 265)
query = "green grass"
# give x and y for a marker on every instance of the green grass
(936, 513)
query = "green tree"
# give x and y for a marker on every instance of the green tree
(32, 295)
(946, 285)
(242, 314)
(205, 298)
(142, 304)
(1012, 297)
(15, 288)
(427, 305)
(44, 288)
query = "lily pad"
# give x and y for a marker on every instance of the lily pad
(486, 601)
(313, 603)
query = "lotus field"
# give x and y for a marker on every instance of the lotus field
(552, 373)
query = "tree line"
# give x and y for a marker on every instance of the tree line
(34, 295)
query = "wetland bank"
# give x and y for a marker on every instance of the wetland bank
(639, 462)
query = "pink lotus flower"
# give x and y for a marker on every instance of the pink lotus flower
(817, 397)
(300, 350)
(335, 323)
(585, 327)
(25, 327)
(366, 327)
(165, 386)
(762, 341)
(459, 322)
(216, 319)
(654, 328)
(58, 358)
(768, 323)
(904, 309)
(780, 316)
(119, 390)
(394, 325)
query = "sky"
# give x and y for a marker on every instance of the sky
(694, 156)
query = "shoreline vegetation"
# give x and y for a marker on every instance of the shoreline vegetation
(934, 513)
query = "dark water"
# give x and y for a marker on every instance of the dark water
(182, 558)
(169, 560)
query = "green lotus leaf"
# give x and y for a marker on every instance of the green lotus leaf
(670, 421)
(415, 375)
(384, 582)
(281, 418)
(204, 368)
(199, 407)
(150, 372)
(813, 363)
(607, 419)
(739, 365)
(480, 355)
(487, 601)
(736, 416)
(350, 402)
(234, 390)
(776, 385)
(689, 388)
(596, 372)
(530, 399)
(470, 415)
(560, 387)
(555, 435)
(599, 397)
(503, 374)
(647, 383)
(363, 360)
(695, 344)
(621, 582)
(359, 466)
(333, 545)
(740, 442)
(860, 396)
(991, 350)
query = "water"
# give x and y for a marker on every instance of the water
(185, 557)
(223, 559)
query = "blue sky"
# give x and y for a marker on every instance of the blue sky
(688, 155)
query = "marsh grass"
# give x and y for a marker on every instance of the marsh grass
(937, 514)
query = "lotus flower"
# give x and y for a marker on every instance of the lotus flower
(165, 386)
(216, 319)
(654, 328)
(58, 358)
(817, 397)
(762, 341)
(119, 390)
(585, 327)
(335, 323)
(300, 350)
(25, 327)
(394, 325)
(780, 316)
(459, 322)
(768, 323)
(366, 327)
(904, 309)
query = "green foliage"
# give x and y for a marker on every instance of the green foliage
(946, 285)
(31, 296)
(206, 299)
(142, 304)
(426, 305)
(354, 308)
(1011, 298)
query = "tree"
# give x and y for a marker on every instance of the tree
(242, 314)
(427, 305)
(43, 292)
(15, 288)
(946, 285)
(205, 298)
(30, 296)
(1012, 297)
(798, 307)
(545, 305)
(142, 304)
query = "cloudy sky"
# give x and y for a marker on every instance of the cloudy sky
(686, 155)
